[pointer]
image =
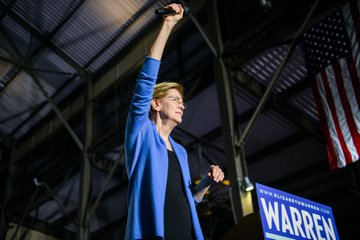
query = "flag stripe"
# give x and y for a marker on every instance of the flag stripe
(353, 88)
(353, 61)
(353, 74)
(326, 129)
(343, 107)
(333, 115)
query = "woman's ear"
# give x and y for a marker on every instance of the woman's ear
(155, 105)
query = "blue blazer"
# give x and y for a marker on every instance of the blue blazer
(147, 164)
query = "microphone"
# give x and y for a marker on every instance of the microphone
(169, 11)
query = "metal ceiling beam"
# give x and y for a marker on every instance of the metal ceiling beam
(37, 53)
(209, 43)
(84, 204)
(58, 112)
(279, 105)
(103, 188)
(49, 128)
(235, 155)
(20, 65)
(37, 109)
(45, 40)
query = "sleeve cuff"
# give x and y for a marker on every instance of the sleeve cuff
(151, 66)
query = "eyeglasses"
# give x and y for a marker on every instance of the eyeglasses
(176, 100)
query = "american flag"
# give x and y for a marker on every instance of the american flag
(332, 57)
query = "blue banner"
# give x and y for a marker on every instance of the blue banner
(285, 216)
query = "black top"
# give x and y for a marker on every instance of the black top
(177, 219)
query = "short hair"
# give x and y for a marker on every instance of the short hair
(160, 91)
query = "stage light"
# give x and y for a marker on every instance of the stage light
(246, 185)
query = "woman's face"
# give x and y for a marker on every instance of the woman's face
(172, 106)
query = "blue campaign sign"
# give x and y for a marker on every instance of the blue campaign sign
(285, 216)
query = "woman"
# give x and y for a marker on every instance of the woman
(160, 195)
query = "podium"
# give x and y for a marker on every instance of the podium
(248, 228)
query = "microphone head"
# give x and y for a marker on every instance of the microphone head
(186, 11)
(167, 11)
(164, 11)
